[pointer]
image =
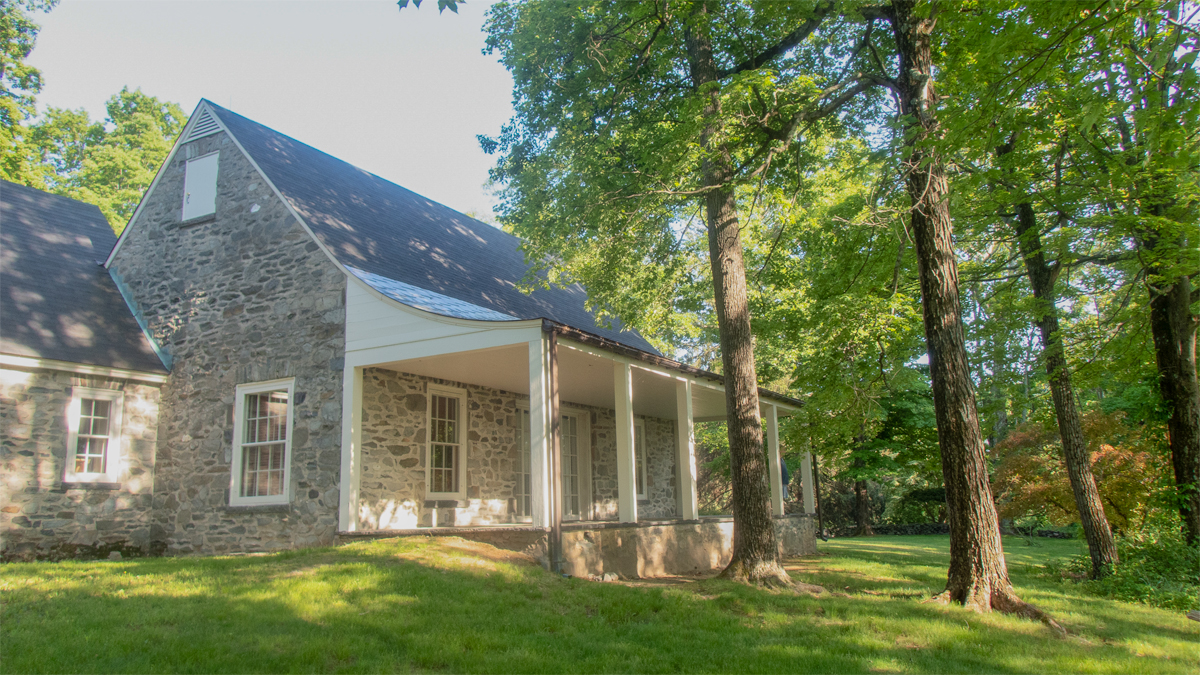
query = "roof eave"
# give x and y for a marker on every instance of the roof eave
(551, 326)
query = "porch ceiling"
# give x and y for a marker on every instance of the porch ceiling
(584, 378)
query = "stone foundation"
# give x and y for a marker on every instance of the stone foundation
(629, 550)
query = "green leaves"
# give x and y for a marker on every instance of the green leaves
(451, 5)
(109, 164)
(19, 85)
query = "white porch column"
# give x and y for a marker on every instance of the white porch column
(351, 473)
(626, 476)
(810, 488)
(771, 426)
(539, 430)
(685, 458)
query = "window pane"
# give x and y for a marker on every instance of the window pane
(264, 454)
(262, 470)
(100, 408)
(91, 446)
(444, 448)
(639, 460)
(90, 455)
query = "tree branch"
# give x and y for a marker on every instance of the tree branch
(783, 46)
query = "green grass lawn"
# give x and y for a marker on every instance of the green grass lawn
(445, 605)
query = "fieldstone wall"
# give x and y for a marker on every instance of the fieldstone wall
(239, 297)
(43, 517)
(394, 437)
(656, 549)
(660, 499)
(395, 427)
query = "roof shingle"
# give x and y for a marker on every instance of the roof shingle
(56, 299)
(390, 233)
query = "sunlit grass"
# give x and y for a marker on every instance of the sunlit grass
(446, 605)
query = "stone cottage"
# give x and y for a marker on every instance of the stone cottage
(79, 386)
(337, 357)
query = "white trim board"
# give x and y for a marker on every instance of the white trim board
(14, 361)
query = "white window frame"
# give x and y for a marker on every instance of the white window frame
(112, 451)
(639, 429)
(239, 432)
(583, 436)
(464, 419)
(190, 186)
(524, 449)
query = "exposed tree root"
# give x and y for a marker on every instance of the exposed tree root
(811, 589)
(766, 573)
(1005, 603)
(1009, 603)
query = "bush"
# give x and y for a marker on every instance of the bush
(1157, 568)
(918, 505)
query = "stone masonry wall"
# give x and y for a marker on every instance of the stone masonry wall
(660, 467)
(392, 487)
(240, 297)
(395, 427)
(40, 515)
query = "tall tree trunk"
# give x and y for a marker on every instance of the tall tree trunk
(1174, 329)
(978, 576)
(1042, 277)
(755, 553)
(862, 500)
(862, 510)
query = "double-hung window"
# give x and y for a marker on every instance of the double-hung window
(94, 435)
(446, 454)
(639, 456)
(575, 437)
(262, 452)
(524, 489)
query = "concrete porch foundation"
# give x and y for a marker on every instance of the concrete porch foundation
(629, 550)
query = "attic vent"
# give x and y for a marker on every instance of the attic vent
(205, 124)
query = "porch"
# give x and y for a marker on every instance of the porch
(574, 447)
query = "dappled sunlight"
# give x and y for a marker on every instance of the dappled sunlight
(388, 514)
(447, 604)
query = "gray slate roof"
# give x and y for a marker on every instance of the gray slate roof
(402, 243)
(56, 300)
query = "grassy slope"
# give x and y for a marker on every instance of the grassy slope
(445, 605)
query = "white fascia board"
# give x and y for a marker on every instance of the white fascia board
(28, 362)
(637, 363)
(785, 409)
(154, 183)
(491, 337)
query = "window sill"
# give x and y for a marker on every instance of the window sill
(89, 485)
(198, 220)
(259, 508)
(446, 503)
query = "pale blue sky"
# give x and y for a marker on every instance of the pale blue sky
(400, 94)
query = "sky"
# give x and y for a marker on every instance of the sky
(400, 94)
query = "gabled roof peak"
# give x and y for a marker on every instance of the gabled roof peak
(385, 231)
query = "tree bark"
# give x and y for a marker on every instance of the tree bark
(1173, 327)
(1101, 545)
(755, 552)
(862, 500)
(862, 510)
(978, 576)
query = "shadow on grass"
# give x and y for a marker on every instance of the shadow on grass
(923, 564)
(418, 605)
